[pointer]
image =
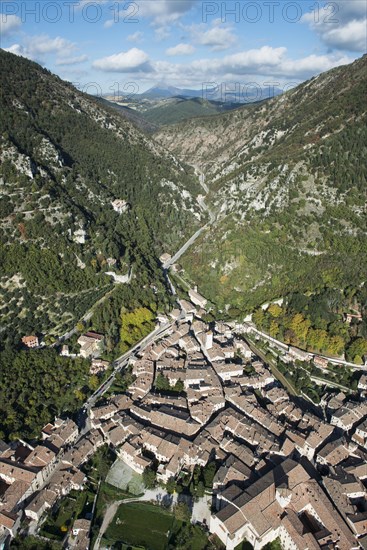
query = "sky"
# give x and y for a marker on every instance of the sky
(124, 48)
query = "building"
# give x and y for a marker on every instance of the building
(120, 206)
(44, 500)
(64, 351)
(299, 354)
(81, 529)
(360, 435)
(187, 307)
(197, 299)
(165, 258)
(320, 362)
(243, 348)
(90, 344)
(348, 416)
(349, 317)
(287, 503)
(30, 341)
(227, 371)
(98, 366)
(362, 383)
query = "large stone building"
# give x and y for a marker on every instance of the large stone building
(285, 503)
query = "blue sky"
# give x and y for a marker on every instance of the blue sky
(104, 46)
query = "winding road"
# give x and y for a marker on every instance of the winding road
(212, 218)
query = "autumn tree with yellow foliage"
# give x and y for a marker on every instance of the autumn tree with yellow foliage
(135, 325)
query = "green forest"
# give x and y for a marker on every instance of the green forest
(36, 386)
(316, 322)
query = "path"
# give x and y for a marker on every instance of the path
(108, 517)
(85, 318)
(330, 383)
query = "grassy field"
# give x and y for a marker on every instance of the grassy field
(140, 524)
(107, 494)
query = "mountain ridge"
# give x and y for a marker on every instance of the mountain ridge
(287, 180)
(64, 159)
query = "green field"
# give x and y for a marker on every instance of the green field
(140, 524)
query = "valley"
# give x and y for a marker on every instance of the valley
(183, 316)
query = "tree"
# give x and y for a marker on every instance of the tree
(149, 478)
(358, 348)
(200, 489)
(300, 326)
(93, 382)
(171, 485)
(182, 512)
(125, 379)
(161, 383)
(135, 325)
(209, 473)
(273, 329)
(179, 386)
(335, 345)
(275, 310)
(317, 339)
(79, 395)
(258, 317)
(183, 539)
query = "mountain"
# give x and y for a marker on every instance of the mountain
(64, 158)
(225, 93)
(287, 179)
(150, 114)
(176, 109)
(133, 115)
(164, 91)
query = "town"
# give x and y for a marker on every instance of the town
(200, 395)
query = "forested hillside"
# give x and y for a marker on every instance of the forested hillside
(288, 181)
(64, 157)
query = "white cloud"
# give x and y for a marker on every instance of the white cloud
(164, 11)
(9, 24)
(160, 12)
(353, 36)
(18, 49)
(43, 44)
(181, 49)
(250, 61)
(135, 37)
(37, 47)
(162, 33)
(309, 66)
(252, 66)
(341, 25)
(72, 60)
(134, 60)
(108, 24)
(218, 37)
